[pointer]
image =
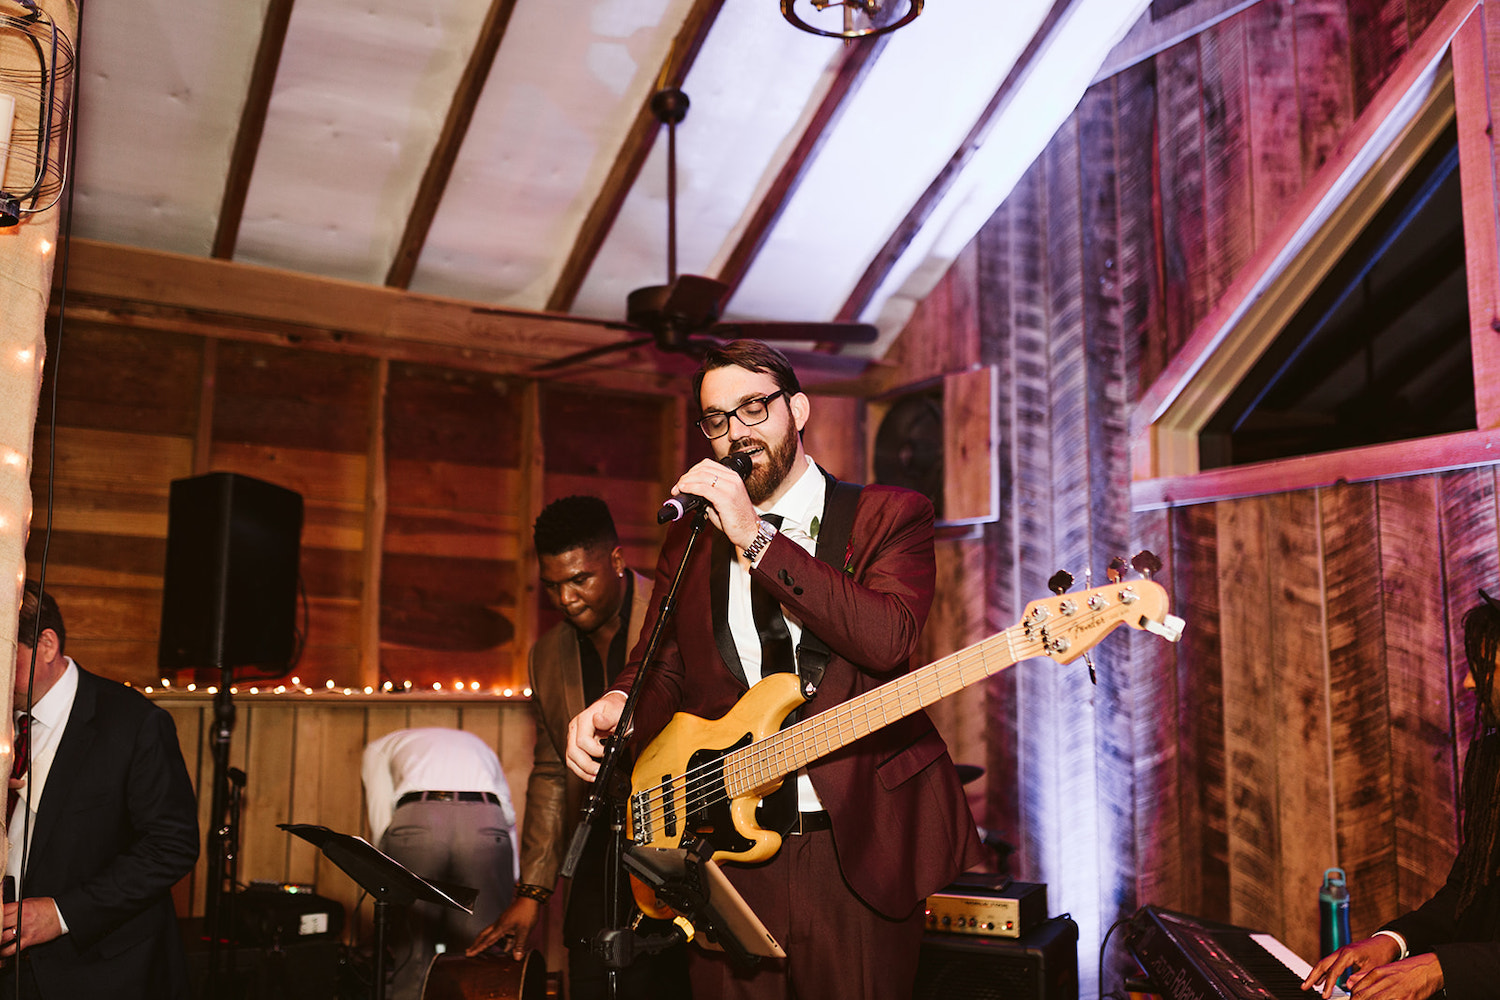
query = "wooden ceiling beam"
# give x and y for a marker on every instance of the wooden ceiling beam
(885, 259)
(854, 65)
(252, 125)
(633, 153)
(450, 141)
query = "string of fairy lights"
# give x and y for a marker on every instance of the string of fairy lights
(294, 687)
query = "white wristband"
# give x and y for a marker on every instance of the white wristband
(1399, 940)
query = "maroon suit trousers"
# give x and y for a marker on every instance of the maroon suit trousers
(835, 947)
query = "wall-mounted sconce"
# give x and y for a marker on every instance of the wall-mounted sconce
(36, 110)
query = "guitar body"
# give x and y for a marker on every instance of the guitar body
(678, 784)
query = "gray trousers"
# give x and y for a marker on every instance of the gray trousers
(465, 843)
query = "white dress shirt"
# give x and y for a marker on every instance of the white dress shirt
(431, 759)
(799, 507)
(49, 717)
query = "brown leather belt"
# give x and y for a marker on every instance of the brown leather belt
(811, 822)
(409, 797)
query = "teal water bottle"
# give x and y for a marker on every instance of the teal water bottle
(1333, 911)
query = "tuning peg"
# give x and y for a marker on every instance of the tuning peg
(1146, 563)
(1060, 581)
(1116, 570)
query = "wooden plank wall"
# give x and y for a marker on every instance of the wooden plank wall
(1311, 714)
(419, 484)
(301, 756)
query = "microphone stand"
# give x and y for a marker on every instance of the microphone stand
(607, 790)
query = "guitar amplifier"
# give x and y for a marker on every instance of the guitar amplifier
(274, 913)
(987, 906)
(1041, 964)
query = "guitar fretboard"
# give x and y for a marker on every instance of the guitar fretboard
(765, 762)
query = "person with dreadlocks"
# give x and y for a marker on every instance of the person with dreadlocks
(1449, 946)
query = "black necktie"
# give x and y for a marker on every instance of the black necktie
(775, 639)
(778, 811)
(20, 762)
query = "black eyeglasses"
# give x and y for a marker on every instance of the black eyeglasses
(751, 412)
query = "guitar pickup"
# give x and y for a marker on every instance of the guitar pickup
(668, 806)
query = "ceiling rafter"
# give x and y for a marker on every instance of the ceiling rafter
(885, 259)
(633, 153)
(450, 142)
(854, 65)
(252, 125)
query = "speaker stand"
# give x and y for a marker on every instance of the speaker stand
(223, 836)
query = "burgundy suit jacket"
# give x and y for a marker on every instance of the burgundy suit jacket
(900, 821)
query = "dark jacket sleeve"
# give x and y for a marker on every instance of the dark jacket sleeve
(1467, 949)
(157, 830)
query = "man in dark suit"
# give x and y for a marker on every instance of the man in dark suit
(603, 603)
(876, 826)
(111, 824)
(1450, 945)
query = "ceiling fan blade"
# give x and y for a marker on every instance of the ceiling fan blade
(823, 333)
(578, 357)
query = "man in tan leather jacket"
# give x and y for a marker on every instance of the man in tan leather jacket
(603, 603)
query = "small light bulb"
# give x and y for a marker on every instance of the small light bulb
(526, 692)
(369, 690)
(473, 685)
(436, 686)
(509, 692)
(330, 684)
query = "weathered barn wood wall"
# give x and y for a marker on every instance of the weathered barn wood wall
(460, 461)
(1311, 715)
(301, 756)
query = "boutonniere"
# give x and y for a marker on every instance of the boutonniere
(849, 557)
(812, 529)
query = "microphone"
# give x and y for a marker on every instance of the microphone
(682, 504)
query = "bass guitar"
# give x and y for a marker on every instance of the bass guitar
(706, 778)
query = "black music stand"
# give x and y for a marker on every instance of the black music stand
(384, 878)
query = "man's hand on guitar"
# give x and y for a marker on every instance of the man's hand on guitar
(587, 731)
(511, 930)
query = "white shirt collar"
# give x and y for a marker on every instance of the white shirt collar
(53, 708)
(801, 505)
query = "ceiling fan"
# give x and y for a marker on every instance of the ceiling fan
(682, 316)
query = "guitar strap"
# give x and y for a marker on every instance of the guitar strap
(833, 544)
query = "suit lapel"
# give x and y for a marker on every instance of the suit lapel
(718, 585)
(73, 752)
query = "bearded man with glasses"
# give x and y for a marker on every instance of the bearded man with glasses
(870, 830)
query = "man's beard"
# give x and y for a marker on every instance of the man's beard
(765, 479)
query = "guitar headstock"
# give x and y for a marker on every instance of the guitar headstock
(1068, 625)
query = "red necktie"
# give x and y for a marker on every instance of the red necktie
(20, 763)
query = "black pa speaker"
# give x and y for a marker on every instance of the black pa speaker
(230, 594)
(1041, 964)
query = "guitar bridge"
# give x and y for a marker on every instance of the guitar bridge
(640, 817)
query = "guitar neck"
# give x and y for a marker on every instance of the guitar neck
(766, 761)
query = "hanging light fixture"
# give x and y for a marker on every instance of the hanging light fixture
(857, 19)
(36, 107)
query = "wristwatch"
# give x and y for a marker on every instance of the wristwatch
(764, 532)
